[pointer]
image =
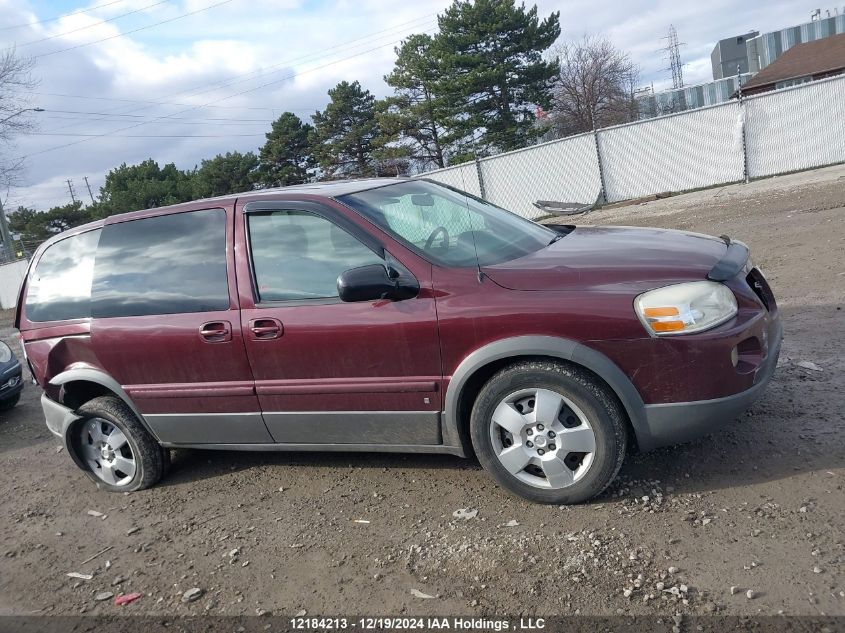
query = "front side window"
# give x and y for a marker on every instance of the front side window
(298, 255)
(59, 288)
(450, 227)
(168, 264)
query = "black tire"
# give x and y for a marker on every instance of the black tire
(149, 456)
(598, 404)
(9, 403)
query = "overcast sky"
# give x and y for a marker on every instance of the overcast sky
(231, 66)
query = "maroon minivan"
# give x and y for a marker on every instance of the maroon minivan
(390, 315)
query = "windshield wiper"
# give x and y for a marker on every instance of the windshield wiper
(555, 239)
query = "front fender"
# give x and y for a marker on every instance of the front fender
(550, 346)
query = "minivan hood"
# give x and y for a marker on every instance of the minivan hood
(609, 256)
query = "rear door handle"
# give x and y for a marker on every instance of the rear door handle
(266, 329)
(216, 332)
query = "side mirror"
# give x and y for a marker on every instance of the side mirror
(371, 283)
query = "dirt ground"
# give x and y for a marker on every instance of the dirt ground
(689, 529)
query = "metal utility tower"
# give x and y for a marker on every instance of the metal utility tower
(673, 50)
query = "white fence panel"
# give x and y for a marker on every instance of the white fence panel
(11, 276)
(693, 149)
(561, 171)
(463, 177)
(785, 130)
(797, 128)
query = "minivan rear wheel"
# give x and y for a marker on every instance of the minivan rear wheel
(116, 450)
(549, 431)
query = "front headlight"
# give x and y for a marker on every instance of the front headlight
(5, 353)
(685, 308)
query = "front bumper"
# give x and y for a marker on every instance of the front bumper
(11, 382)
(676, 422)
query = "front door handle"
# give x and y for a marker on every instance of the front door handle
(266, 329)
(216, 332)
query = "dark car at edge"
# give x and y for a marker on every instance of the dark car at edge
(11, 378)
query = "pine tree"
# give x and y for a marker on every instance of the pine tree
(35, 226)
(286, 157)
(412, 119)
(143, 186)
(492, 71)
(227, 173)
(344, 133)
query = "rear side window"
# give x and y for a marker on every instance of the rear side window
(59, 288)
(168, 264)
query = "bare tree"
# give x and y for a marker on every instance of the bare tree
(15, 80)
(595, 87)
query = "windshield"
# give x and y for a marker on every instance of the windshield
(449, 226)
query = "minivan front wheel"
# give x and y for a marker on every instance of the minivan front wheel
(117, 451)
(549, 432)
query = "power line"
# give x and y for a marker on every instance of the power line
(88, 26)
(286, 78)
(179, 121)
(244, 76)
(142, 28)
(69, 96)
(197, 107)
(142, 116)
(59, 17)
(129, 118)
(316, 55)
(313, 56)
(113, 135)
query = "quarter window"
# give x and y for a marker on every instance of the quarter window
(59, 288)
(168, 264)
(298, 255)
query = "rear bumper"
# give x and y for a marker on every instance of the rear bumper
(676, 422)
(57, 416)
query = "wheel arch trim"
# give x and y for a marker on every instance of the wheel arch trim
(85, 374)
(549, 346)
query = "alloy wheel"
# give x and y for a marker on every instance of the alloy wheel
(107, 452)
(542, 438)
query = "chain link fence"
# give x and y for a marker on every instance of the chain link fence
(797, 128)
(771, 133)
(17, 250)
(14, 260)
(683, 151)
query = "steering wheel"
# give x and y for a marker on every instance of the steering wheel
(438, 232)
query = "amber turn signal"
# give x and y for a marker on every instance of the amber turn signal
(661, 312)
(667, 326)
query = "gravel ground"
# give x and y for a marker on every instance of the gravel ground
(749, 521)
